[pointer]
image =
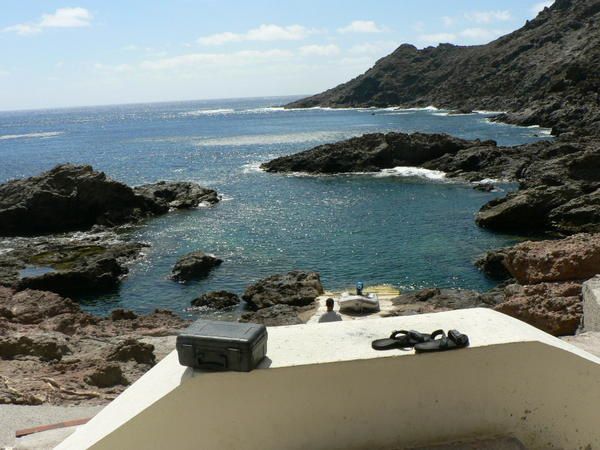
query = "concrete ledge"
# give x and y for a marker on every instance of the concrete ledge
(323, 387)
(591, 304)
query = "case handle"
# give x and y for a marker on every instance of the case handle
(212, 365)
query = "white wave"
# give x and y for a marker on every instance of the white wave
(252, 167)
(225, 198)
(265, 110)
(208, 112)
(483, 111)
(426, 108)
(46, 134)
(443, 114)
(271, 139)
(416, 172)
(488, 181)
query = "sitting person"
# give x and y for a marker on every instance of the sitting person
(330, 315)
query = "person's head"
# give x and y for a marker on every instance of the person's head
(329, 304)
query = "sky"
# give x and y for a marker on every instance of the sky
(79, 53)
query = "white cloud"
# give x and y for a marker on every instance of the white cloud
(538, 7)
(481, 35)
(437, 38)
(379, 48)
(202, 59)
(61, 18)
(320, 50)
(448, 21)
(361, 26)
(265, 32)
(488, 16)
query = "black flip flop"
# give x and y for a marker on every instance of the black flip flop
(404, 339)
(454, 340)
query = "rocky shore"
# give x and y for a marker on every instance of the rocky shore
(559, 182)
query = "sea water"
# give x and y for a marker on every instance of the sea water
(406, 227)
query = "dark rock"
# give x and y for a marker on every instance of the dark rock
(274, 316)
(194, 265)
(71, 197)
(122, 314)
(484, 187)
(296, 288)
(371, 152)
(65, 198)
(107, 375)
(46, 346)
(216, 300)
(176, 195)
(492, 264)
(547, 73)
(132, 349)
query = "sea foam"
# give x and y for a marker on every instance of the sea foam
(46, 134)
(412, 172)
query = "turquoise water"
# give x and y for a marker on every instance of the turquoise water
(410, 232)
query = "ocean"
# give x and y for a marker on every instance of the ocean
(404, 227)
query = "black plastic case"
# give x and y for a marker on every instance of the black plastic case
(222, 346)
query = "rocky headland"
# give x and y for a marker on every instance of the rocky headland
(545, 73)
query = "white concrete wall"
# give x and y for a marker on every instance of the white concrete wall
(331, 391)
(591, 304)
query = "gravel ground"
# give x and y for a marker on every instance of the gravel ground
(17, 417)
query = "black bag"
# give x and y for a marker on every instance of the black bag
(211, 345)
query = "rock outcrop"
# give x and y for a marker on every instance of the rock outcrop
(547, 73)
(373, 152)
(296, 288)
(68, 265)
(548, 276)
(216, 300)
(168, 195)
(194, 265)
(71, 197)
(52, 352)
(436, 300)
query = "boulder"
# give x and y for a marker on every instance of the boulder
(71, 197)
(216, 300)
(168, 195)
(296, 288)
(46, 346)
(106, 375)
(33, 307)
(555, 308)
(132, 350)
(68, 197)
(275, 315)
(194, 265)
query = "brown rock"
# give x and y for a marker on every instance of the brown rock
(555, 308)
(46, 346)
(574, 258)
(133, 350)
(106, 376)
(296, 288)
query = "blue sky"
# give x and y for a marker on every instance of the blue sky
(106, 52)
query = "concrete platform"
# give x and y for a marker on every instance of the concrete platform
(323, 387)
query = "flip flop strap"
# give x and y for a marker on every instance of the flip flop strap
(395, 334)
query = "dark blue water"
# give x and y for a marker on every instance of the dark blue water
(409, 232)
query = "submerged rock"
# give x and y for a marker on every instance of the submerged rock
(71, 197)
(216, 300)
(296, 288)
(194, 265)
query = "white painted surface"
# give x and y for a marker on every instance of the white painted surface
(323, 387)
(591, 304)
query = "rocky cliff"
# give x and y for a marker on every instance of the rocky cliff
(547, 73)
